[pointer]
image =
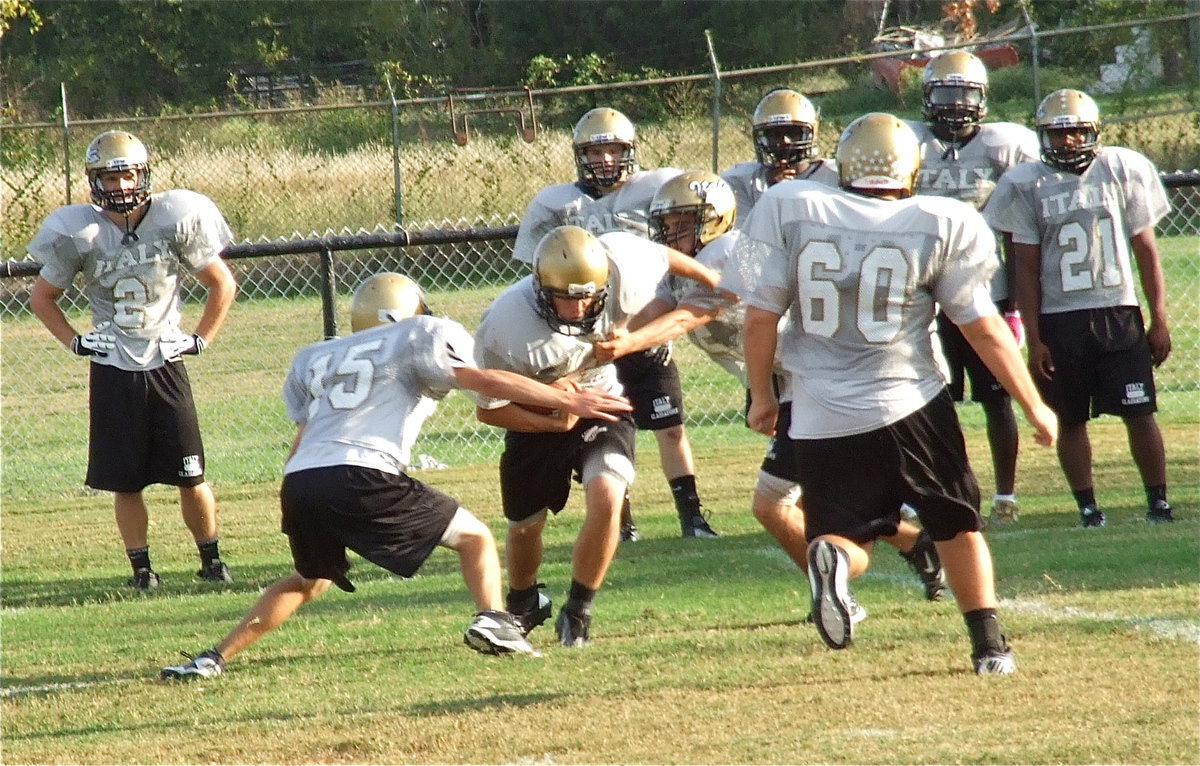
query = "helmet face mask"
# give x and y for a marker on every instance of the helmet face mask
(385, 298)
(604, 127)
(116, 151)
(955, 85)
(1060, 114)
(878, 152)
(570, 264)
(785, 129)
(691, 210)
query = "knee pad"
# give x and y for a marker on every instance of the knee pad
(463, 523)
(528, 521)
(777, 490)
(610, 464)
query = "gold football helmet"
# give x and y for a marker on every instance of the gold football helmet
(705, 195)
(878, 151)
(604, 126)
(118, 150)
(785, 127)
(383, 298)
(571, 263)
(955, 88)
(1069, 110)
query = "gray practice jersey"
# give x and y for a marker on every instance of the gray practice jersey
(721, 337)
(970, 172)
(862, 277)
(134, 286)
(749, 181)
(626, 209)
(512, 336)
(1082, 224)
(362, 398)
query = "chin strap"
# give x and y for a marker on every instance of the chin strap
(951, 152)
(130, 236)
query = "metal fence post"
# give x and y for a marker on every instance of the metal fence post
(716, 102)
(1034, 55)
(66, 123)
(328, 293)
(397, 191)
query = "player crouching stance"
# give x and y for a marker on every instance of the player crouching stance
(582, 287)
(359, 402)
(862, 270)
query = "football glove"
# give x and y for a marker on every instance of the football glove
(95, 343)
(178, 344)
(660, 355)
(1013, 320)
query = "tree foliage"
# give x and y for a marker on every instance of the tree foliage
(146, 56)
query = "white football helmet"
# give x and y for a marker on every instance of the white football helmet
(785, 128)
(1069, 110)
(604, 126)
(570, 262)
(955, 90)
(878, 151)
(119, 151)
(383, 298)
(704, 194)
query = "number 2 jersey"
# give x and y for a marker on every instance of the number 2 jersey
(863, 278)
(134, 285)
(363, 398)
(1082, 223)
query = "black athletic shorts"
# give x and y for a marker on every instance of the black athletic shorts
(965, 363)
(853, 486)
(536, 469)
(143, 429)
(780, 460)
(1102, 364)
(651, 382)
(392, 520)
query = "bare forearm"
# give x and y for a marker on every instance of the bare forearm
(43, 302)
(760, 337)
(994, 343)
(667, 327)
(1145, 250)
(222, 289)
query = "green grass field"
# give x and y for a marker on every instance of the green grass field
(699, 654)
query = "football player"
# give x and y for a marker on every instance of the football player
(612, 194)
(963, 157)
(1080, 217)
(131, 246)
(582, 288)
(861, 271)
(785, 126)
(694, 213)
(359, 402)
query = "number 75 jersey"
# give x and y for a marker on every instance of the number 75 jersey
(1082, 223)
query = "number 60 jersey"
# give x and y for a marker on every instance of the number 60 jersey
(862, 278)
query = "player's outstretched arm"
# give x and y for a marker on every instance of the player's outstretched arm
(668, 327)
(502, 384)
(996, 347)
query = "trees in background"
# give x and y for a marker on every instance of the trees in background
(147, 56)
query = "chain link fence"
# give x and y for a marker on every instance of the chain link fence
(460, 164)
